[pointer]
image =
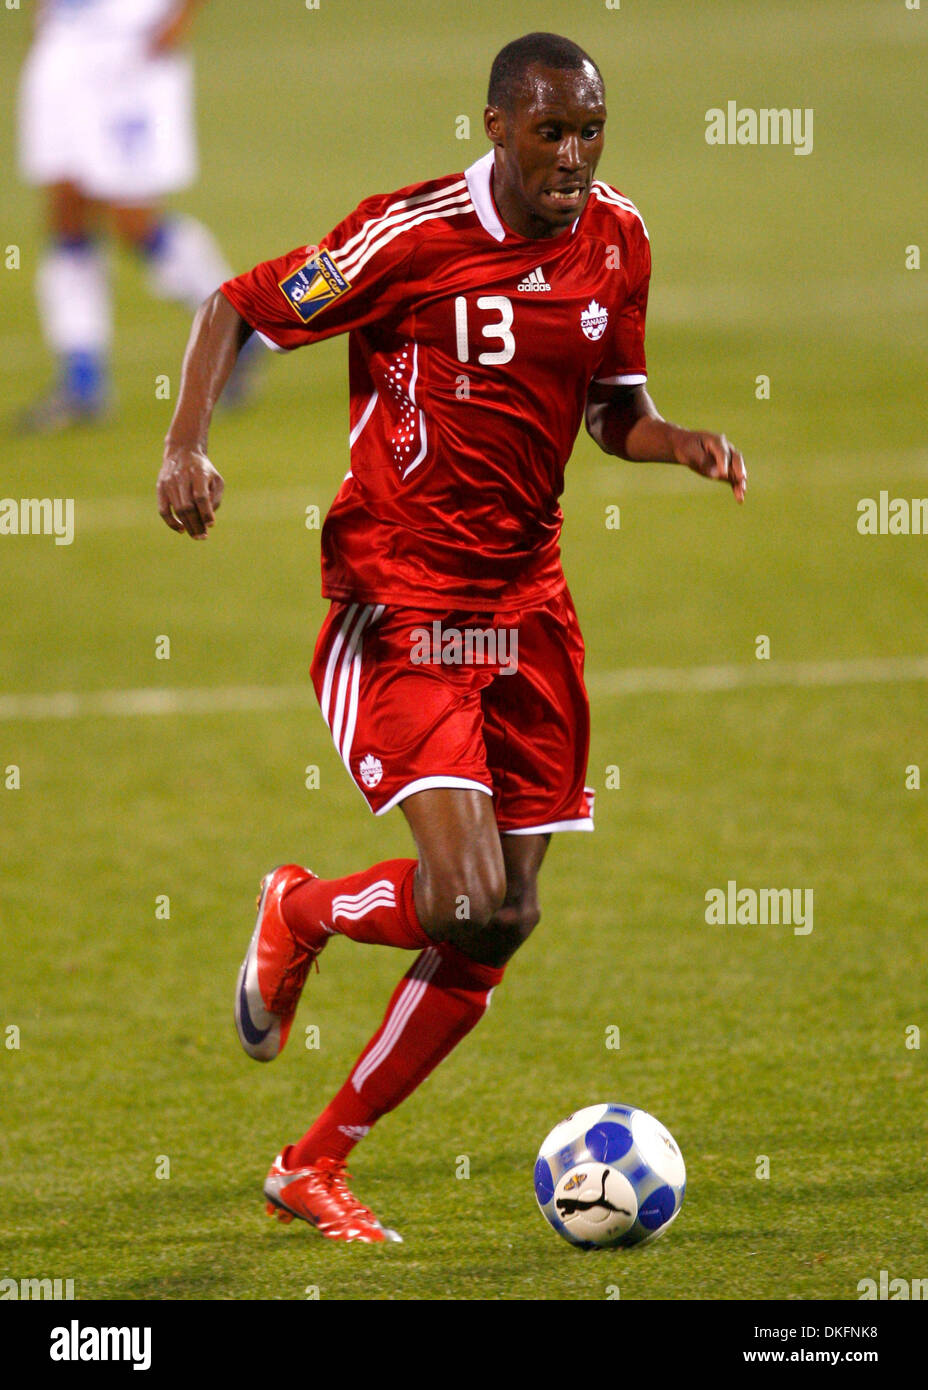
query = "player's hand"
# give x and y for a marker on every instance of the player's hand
(712, 456)
(189, 491)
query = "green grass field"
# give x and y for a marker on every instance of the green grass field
(117, 1050)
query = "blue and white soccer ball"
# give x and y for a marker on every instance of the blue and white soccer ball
(609, 1175)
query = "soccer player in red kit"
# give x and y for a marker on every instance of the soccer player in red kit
(489, 314)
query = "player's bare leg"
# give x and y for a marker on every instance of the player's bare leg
(70, 212)
(461, 877)
(135, 224)
(520, 913)
(475, 889)
(74, 310)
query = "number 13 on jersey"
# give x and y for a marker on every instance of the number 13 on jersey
(500, 328)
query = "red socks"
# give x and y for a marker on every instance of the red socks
(376, 906)
(434, 1006)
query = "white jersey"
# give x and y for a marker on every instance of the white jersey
(92, 20)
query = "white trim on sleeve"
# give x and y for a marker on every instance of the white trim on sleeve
(269, 342)
(631, 379)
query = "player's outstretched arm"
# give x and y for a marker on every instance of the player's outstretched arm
(189, 488)
(624, 421)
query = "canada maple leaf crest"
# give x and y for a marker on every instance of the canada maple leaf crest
(371, 770)
(593, 320)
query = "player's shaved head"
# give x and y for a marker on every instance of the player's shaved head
(511, 65)
(546, 119)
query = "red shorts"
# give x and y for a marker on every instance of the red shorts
(492, 701)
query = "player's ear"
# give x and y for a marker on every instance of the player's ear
(494, 123)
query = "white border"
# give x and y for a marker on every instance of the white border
(584, 823)
(423, 783)
(632, 379)
(269, 342)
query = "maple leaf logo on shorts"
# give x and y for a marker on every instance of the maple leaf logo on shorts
(371, 770)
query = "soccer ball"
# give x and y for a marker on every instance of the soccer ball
(609, 1175)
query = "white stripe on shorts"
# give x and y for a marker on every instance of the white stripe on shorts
(346, 654)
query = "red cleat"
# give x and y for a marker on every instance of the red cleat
(319, 1195)
(274, 970)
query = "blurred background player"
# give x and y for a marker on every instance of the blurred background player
(106, 128)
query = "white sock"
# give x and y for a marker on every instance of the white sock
(72, 288)
(186, 263)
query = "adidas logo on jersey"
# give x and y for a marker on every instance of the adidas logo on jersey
(535, 283)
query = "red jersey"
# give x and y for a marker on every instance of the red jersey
(471, 352)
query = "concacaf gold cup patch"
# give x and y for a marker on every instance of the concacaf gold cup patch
(317, 282)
